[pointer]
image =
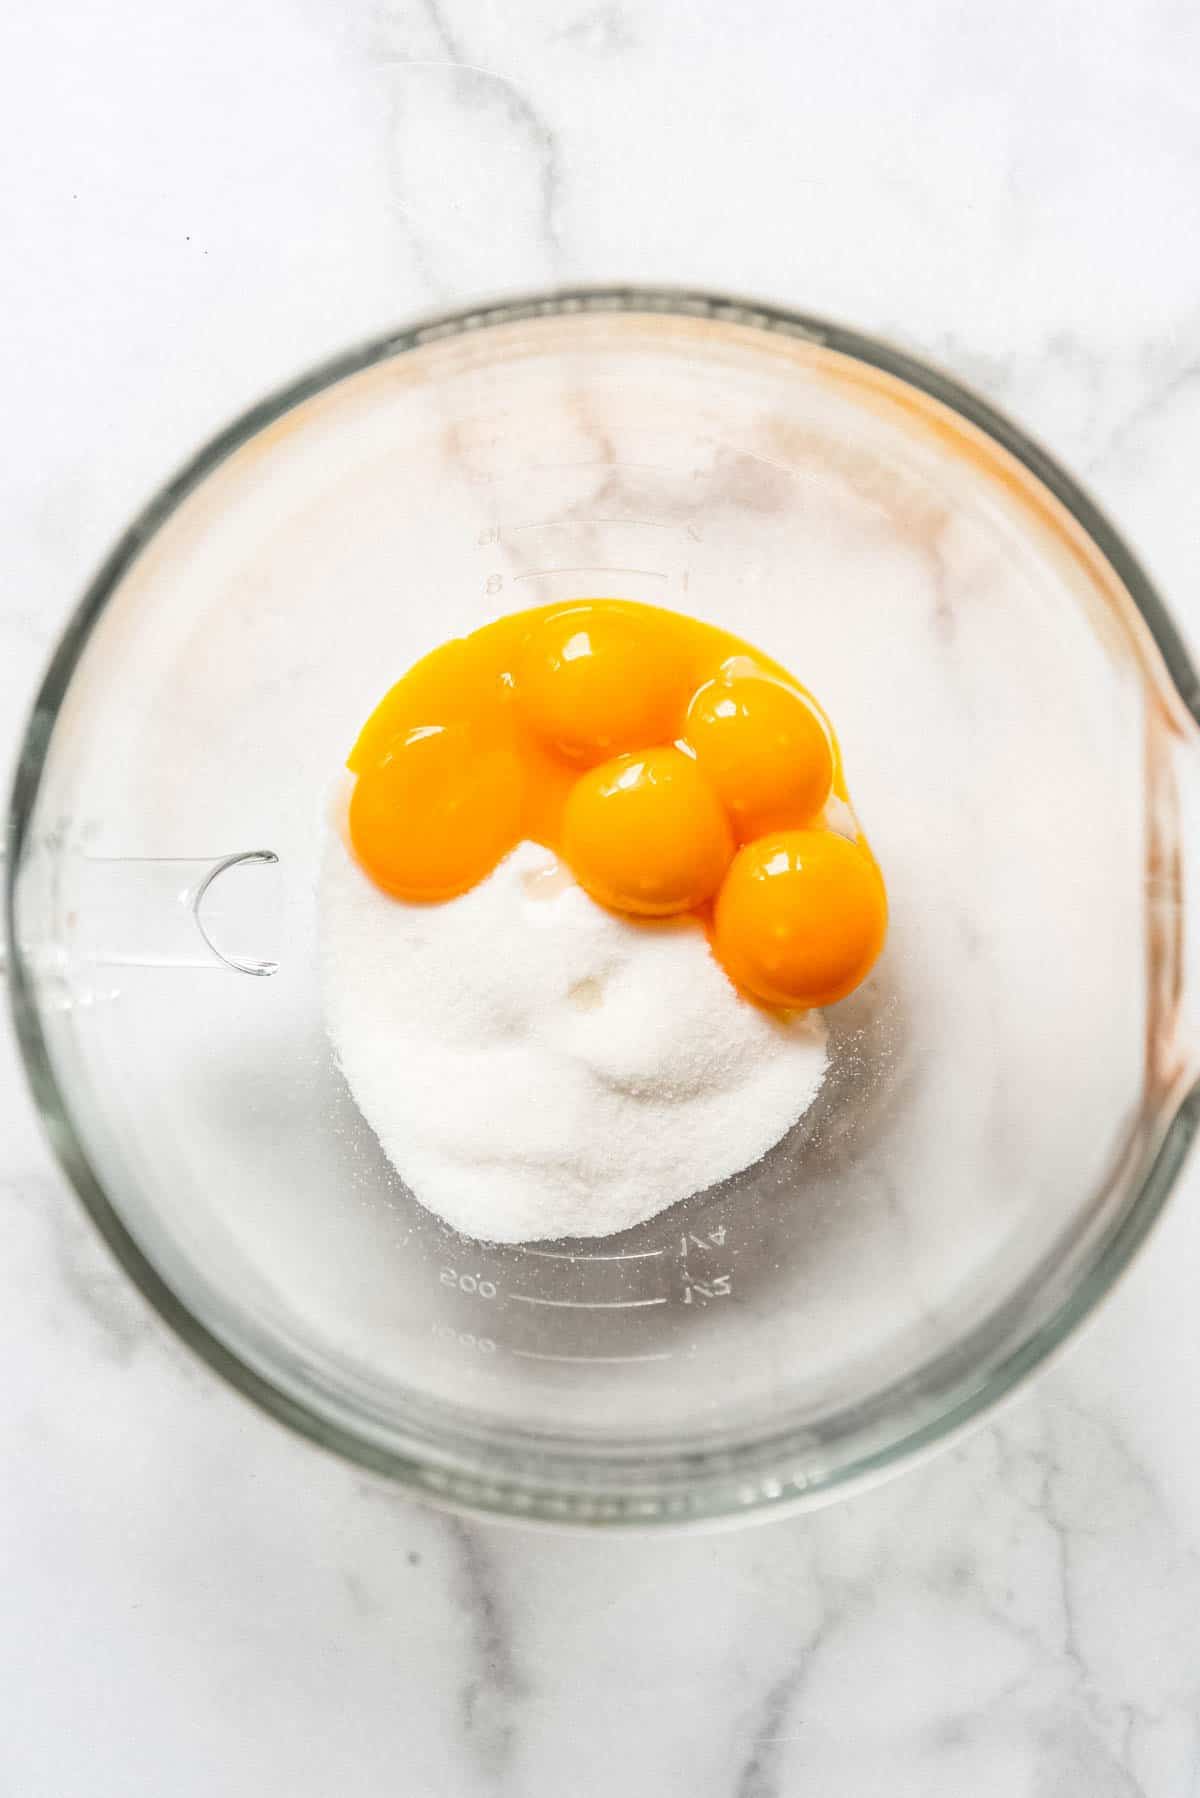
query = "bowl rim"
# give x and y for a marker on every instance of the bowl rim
(729, 1488)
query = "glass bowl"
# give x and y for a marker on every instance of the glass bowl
(1010, 1096)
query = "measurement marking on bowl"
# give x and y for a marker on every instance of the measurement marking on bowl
(564, 1255)
(527, 1298)
(645, 574)
(793, 474)
(592, 1360)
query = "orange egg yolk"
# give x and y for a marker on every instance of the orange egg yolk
(438, 810)
(601, 680)
(800, 917)
(642, 747)
(647, 834)
(764, 748)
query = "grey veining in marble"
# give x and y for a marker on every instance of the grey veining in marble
(195, 202)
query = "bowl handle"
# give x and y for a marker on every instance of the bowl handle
(158, 911)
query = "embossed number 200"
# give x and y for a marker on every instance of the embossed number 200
(470, 1283)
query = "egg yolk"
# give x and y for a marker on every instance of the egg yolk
(647, 834)
(595, 681)
(764, 749)
(433, 816)
(800, 918)
(643, 747)
(452, 684)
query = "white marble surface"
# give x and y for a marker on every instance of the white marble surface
(195, 201)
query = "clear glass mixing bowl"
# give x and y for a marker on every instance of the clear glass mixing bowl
(1010, 1096)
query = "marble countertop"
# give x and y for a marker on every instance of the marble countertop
(198, 201)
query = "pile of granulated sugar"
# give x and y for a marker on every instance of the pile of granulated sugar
(535, 1067)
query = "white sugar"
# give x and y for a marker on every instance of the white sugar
(535, 1067)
